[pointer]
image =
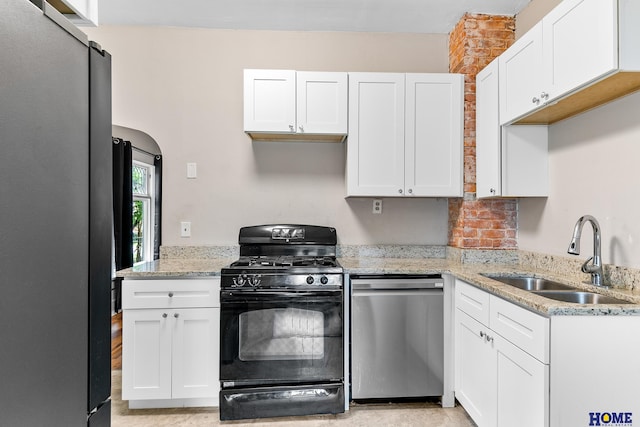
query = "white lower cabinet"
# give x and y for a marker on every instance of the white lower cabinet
(514, 367)
(170, 342)
(496, 381)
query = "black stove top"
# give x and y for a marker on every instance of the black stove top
(285, 255)
(285, 261)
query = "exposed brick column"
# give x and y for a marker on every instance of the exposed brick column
(479, 224)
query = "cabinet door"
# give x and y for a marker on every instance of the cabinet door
(146, 354)
(522, 387)
(488, 161)
(375, 148)
(433, 135)
(475, 370)
(521, 76)
(580, 43)
(196, 341)
(321, 102)
(270, 101)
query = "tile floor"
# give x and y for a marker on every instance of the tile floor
(368, 415)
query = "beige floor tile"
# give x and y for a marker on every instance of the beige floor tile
(360, 415)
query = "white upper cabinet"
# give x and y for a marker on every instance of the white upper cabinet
(285, 104)
(511, 161)
(321, 102)
(375, 149)
(488, 135)
(580, 55)
(269, 100)
(579, 43)
(80, 12)
(521, 82)
(433, 134)
(405, 135)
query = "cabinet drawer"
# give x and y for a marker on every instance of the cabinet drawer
(473, 301)
(169, 293)
(527, 330)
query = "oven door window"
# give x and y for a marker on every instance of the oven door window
(281, 334)
(280, 338)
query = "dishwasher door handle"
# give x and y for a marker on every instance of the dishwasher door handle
(406, 292)
(396, 284)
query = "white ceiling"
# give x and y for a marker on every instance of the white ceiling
(407, 16)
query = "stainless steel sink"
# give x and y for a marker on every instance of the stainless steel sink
(530, 283)
(556, 291)
(580, 297)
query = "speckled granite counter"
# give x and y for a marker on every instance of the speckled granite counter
(176, 267)
(471, 273)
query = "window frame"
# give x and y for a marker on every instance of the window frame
(148, 201)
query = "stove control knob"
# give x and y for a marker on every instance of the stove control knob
(240, 280)
(254, 280)
(324, 280)
(310, 280)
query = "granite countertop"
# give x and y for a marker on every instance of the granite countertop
(471, 273)
(176, 268)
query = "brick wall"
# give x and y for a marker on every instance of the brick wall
(479, 224)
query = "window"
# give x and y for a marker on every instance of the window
(143, 205)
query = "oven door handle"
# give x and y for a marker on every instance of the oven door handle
(277, 294)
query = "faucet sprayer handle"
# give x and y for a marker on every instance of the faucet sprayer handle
(586, 268)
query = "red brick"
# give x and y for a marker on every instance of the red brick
(474, 42)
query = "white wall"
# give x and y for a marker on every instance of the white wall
(183, 87)
(593, 161)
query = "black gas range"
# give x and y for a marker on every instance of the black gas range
(285, 256)
(281, 333)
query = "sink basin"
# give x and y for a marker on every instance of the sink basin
(531, 283)
(555, 290)
(580, 297)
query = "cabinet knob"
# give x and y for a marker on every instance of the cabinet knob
(170, 294)
(486, 336)
(291, 128)
(164, 315)
(301, 129)
(492, 190)
(544, 95)
(410, 191)
(176, 315)
(535, 100)
(400, 191)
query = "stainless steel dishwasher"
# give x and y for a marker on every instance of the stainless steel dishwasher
(397, 336)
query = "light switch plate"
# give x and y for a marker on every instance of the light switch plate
(192, 170)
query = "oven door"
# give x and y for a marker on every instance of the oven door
(280, 337)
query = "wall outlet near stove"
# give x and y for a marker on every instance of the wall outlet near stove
(377, 206)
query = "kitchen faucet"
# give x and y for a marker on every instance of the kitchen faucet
(594, 269)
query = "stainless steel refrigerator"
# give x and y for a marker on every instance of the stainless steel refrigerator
(55, 221)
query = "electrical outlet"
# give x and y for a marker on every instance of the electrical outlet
(377, 206)
(185, 229)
